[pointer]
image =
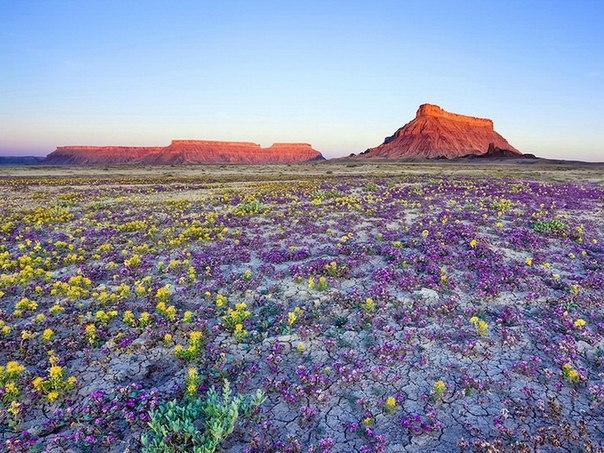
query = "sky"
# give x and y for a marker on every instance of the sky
(341, 75)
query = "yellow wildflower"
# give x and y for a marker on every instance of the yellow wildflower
(14, 409)
(56, 372)
(390, 403)
(439, 388)
(47, 334)
(220, 300)
(368, 306)
(14, 368)
(144, 319)
(579, 323)
(11, 390)
(26, 335)
(37, 383)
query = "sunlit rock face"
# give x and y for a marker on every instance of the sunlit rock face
(184, 152)
(435, 133)
(206, 151)
(91, 155)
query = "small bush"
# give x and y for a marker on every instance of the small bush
(249, 207)
(550, 227)
(196, 425)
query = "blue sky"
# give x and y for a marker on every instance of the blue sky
(341, 75)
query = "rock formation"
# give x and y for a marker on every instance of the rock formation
(436, 133)
(21, 160)
(91, 155)
(494, 152)
(184, 152)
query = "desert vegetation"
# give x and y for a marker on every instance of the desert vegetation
(322, 308)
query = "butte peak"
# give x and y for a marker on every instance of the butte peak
(435, 133)
(434, 111)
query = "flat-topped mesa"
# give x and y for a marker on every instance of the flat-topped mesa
(303, 149)
(93, 155)
(437, 112)
(214, 143)
(185, 151)
(435, 134)
(291, 145)
(197, 151)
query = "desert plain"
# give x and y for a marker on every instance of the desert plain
(340, 306)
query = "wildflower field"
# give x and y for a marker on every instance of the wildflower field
(319, 311)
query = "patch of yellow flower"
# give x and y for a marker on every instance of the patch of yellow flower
(481, 326)
(47, 335)
(192, 381)
(570, 374)
(129, 318)
(90, 333)
(167, 311)
(235, 317)
(220, 300)
(55, 384)
(164, 293)
(293, 316)
(390, 404)
(192, 349)
(579, 323)
(439, 388)
(105, 316)
(369, 305)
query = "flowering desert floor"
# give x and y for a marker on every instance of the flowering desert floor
(311, 308)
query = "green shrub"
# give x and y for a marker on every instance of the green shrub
(248, 207)
(196, 425)
(550, 226)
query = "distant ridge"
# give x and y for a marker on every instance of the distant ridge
(184, 152)
(21, 160)
(436, 134)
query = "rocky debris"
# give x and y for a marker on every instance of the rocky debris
(435, 133)
(184, 152)
(494, 152)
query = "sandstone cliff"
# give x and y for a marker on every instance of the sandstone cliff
(184, 152)
(435, 133)
(91, 155)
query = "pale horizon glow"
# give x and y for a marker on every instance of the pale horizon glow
(338, 75)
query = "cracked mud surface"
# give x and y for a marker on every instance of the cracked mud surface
(484, 330)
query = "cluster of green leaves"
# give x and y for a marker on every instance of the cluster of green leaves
(370, 187)
(249, 207)
(550, 226)
(194, 424)
(331, 193)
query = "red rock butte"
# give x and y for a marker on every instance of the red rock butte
(435, 133)
(184, 152)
